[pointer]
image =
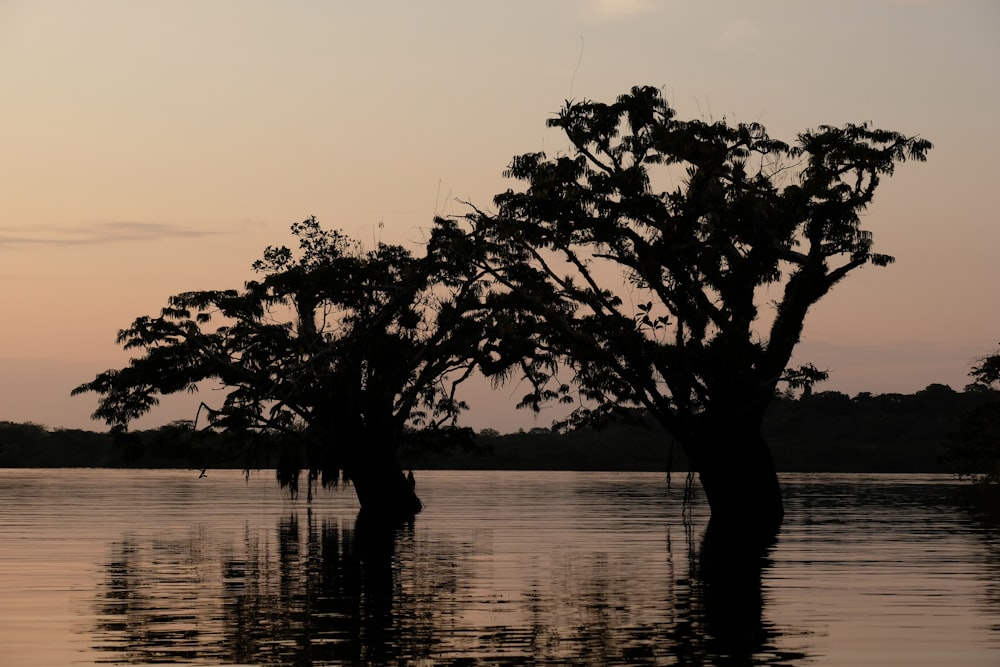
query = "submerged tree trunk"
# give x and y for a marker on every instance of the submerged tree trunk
(737, 473)
(385, 493)
(346, 448)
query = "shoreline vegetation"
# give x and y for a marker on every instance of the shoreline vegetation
(818, 432)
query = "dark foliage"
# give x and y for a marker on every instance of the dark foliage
(329, 361)
(823, 432)
(974, 448)
(646, 255)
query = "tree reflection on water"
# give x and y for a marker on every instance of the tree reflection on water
(981, 504)
(332, 592)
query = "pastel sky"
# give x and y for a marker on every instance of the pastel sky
(154, 147)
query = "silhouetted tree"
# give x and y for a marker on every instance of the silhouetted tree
(974, 447)
(986, 372)
(335, 355)
(646, 253)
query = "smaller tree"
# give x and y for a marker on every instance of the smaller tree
(974, 447)
(333, 358)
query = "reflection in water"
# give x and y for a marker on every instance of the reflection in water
(328, 591)
(320, 594)
(982, 505)
(131, 567)
(729, 573)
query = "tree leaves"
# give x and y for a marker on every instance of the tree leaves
(588, 228)
(986, 371)
(337, 346)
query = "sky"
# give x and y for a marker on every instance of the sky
(149, 148)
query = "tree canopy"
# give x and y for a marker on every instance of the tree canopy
(661, 263)
(336, 352)
(670, 264)
(986, 371)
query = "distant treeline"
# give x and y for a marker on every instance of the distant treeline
(818, 432)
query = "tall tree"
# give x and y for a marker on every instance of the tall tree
(337, 353)
(647, 253)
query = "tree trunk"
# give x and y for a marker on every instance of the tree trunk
(737, 474)
(385, 494)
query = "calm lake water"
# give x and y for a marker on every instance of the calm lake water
(140, 567)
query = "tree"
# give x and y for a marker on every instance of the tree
(986, 372)
(974, 447)
(647, 252)
(334, 357)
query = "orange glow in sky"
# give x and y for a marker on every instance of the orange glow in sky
(155, 147)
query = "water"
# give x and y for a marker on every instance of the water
(142, 567)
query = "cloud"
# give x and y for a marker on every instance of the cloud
(101, 233)
(603, 10)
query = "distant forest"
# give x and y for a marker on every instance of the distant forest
(818, 432)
